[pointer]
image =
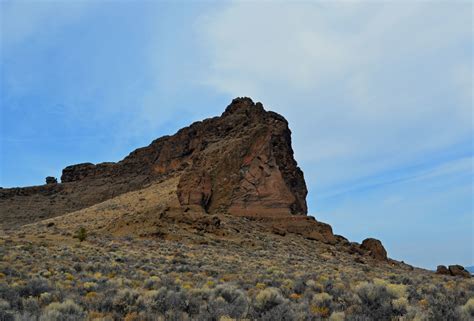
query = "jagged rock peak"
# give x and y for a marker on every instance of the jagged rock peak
(243, 105)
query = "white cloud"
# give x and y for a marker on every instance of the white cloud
(366, 86)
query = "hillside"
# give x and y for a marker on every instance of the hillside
(207, 224)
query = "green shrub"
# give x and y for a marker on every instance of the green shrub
(81, 234)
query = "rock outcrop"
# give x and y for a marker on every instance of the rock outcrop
(51, 180)
(453, 270)
(375, 248)
(441, 269)
(239, 163)
(251, 172)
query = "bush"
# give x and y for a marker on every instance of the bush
(267, 299)
(228, 301)
(375, 301)
(467, 310)
(34, 287)
(125, 301)
(442, 306)
(281, 312)
(269, 305)
(5, 314)
(81, 234)
(66, 311)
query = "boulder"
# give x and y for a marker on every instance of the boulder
(443, 270)
(51, 180)
(375, 248)
(458, 270)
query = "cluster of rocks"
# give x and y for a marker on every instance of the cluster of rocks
(453, 270)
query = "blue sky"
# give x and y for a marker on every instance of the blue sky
(378, 96)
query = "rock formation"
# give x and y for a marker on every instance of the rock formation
(453, 270)
(51, 180)
(240, 163)
(441, 269)
(375, 248)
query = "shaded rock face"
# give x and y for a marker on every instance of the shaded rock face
(240, 163)
(375, 248)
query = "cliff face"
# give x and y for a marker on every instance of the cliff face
(239, 163)
(242, 163)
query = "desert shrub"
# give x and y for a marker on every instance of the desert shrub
(81, 234)
(168, 283)
(375, 301)
(321, 305)
(442, 305)
(162, 300)
(10, 295)
(268, 299)
(299, 286)
(152, 283)
(45, 298)
(25, 317)
(282, 312)
(396, 290)
(176, 301)
(155, 300)
(125, 301)
(322, 299)
(5, 313)
(337, 316)
(34, 287)
(65, 311)
(228, 301)
(399, 306)
(196, 301)
(31, 305)
(269, 304)
(413, 294)
(467, 310)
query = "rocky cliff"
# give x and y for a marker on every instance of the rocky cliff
(240, 163)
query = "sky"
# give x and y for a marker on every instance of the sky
(378, 96)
